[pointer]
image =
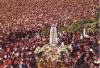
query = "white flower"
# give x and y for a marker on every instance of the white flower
(98, 62)
(38, 50)
(52, 53)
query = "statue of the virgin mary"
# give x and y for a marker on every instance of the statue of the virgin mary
(53, 40)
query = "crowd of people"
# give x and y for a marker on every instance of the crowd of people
(85, 51)
(17, 50)
(22, 23)
(29, 13)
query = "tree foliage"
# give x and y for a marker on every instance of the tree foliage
(91, 25)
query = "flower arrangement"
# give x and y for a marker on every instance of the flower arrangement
(49, 53)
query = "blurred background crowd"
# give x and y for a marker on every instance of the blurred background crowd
(22, 14)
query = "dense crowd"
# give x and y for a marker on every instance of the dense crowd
(22, 23)
(85, 51)
(28, 13)
(17, 50)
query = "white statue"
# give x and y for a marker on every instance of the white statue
(53, 40)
